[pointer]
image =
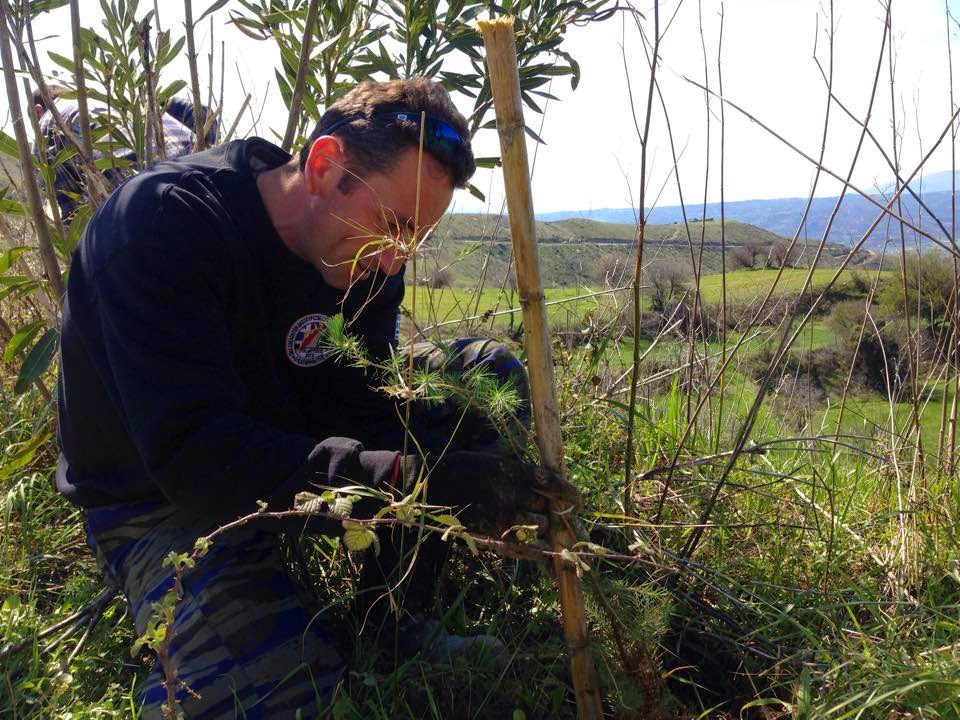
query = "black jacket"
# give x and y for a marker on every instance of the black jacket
(189, 365)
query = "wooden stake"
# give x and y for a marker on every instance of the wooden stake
(505, 84)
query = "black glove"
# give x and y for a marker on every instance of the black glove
(489, 493)
(335, 462)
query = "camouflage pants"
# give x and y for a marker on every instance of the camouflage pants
(245, 643)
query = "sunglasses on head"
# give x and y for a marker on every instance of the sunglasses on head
(439, 137)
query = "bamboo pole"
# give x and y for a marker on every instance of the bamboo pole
(154, 116)
(505, 85)
(94, 183)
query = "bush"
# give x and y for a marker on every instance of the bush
(930, 283)
(783, 253)
(668, 283)
(739, 258)
(749, 254)
(439, 279)
(845, 321)
(611, 269)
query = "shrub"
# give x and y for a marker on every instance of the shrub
(668, 283)
(611, 269)
(440, 278)
(930, 281)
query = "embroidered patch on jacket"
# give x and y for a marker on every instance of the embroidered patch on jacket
(305, 340)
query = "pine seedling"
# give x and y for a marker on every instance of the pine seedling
(342, 346)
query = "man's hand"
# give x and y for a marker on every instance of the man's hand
(490, 493)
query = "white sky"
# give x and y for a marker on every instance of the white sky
(592, 155)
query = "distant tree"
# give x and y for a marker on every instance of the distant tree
(739, 258)
(611, 269)
(782, 254)
(757, 248)
(748, 254)
(668, 282)
(440, 278)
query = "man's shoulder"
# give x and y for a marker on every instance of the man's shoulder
(172, 204)
(194, 183)
(220, 175)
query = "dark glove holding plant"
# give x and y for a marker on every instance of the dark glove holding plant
(489, 493)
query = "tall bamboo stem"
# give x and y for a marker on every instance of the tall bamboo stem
(47, 253)
(40, 151)
(953, 353)
(505, 85)
(154, 120)
(723, 241)
(95, 185)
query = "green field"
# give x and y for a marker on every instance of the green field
(460, 310)
(866, 415)
(744, 287)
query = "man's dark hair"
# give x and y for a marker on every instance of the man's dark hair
(373, 144)
(55, 91)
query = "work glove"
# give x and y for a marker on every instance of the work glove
(489, 493)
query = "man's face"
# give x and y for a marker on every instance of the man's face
(375, 224)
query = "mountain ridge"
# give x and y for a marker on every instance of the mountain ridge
(782, 216)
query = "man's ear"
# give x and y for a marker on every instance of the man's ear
(325, 164)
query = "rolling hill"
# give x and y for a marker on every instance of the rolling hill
(580, 251)
(472, 227)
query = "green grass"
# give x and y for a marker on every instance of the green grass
(869, 415)
(816, 335)
(47, 574)
(746, 286)
(451, 305)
